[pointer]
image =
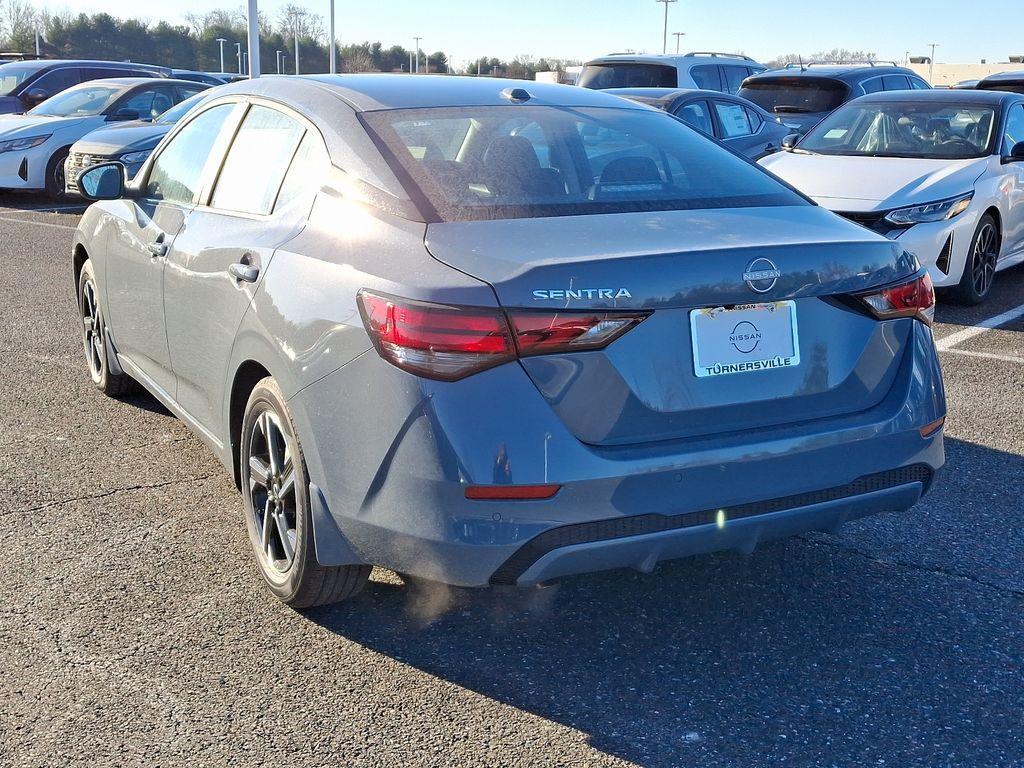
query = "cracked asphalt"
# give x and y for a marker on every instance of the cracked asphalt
(134, 629)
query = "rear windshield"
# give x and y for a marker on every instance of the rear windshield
(600, 76)
(1012, 87)
(791, 95)
(473, 163)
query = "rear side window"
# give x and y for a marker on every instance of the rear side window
(795, 95)
(696, 114)
(628, 75)
(256, 164)
(919, 85)
(706, 77)
(873, 85)
(896, 83)
(595, 161)
(307, 172)
(178, 169)
(102, 73)
(734, 77)
(733, 119)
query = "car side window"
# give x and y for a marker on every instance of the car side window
(257, 161)
(872, 85)
(178, 169)
(102, 73)
(307, 172)
(734, 77)
(1014, 133)
(696, 114)
(57, 80)
(733, 119)
(755, 120)
(896, 83)
(706, 76)
(148, 102)
(919, 85)
(188, 91)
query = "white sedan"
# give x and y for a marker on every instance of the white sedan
(33, 146)
(941, 171)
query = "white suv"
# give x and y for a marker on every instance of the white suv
(699, 69)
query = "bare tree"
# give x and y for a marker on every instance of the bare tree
(18, 20)
(294, 18)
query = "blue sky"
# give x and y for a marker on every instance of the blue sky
(470, 28)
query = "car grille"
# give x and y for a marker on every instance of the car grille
(871, 219)
(78, 162)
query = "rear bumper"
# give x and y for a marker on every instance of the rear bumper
(393, 454)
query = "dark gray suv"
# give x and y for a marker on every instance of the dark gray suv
(26, 84)
(802, 94)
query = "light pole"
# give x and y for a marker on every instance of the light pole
(334, 55)
(238, 52)
(245, 63)
(664, 35)
(253, 42)
(678, 36)
(277, 58)
(417, 40)
(931, 64)
(221, 40)
(295, 31)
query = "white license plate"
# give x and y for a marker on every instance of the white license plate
(744, 339)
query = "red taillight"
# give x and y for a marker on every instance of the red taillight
(445, 342)
(511, 492)
(915, 298)
(435, 340)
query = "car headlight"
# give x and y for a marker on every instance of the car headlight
(135, 157)
(940, 210)
(13, 145)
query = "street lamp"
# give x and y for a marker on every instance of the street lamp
(238, 52)
(334, 56)
(417, 40)
(277, 58)
(295, 31)
(931, 64)
(664, 35)
(678, 36)
(221, 40)
(245, 62)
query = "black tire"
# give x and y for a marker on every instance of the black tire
(275, 491)
(94, 339)
(980, 267)
(55, 189)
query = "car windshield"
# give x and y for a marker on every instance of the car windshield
(520, 162)
(81, 101)
(601, 76)
(904, 129)
(175, 113)
(795, 95)
(1012, 87)
(12, 75)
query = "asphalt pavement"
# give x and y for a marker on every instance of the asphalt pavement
(134, 629)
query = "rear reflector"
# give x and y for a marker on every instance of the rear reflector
(445, 342)
(930, 429)
(914, 298)
(511, 492)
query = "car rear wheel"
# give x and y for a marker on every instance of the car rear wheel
(55, 183)
(94, 339)
(275, 488)
(980, 268)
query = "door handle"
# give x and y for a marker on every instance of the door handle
(246, 273)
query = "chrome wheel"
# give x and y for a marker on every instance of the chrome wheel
(272, 491)
(92, 331)
(983, 258)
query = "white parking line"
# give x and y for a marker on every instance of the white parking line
(948, 342)
(986, 355)
(49, 209)
(37, 223)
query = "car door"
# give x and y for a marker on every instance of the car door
(145, 234)
(735, 129)
(1013, 225)
(225, 248)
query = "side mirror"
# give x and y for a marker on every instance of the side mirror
(105, 181)
(123, 115)
(790, 141)
(1016, 153)
(35, 97)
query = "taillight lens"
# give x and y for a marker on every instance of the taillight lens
(435, 340)
(445, 342)
(915, 298)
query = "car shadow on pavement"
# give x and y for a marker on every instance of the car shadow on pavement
(813, 650)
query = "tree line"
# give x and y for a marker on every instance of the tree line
(194, 45)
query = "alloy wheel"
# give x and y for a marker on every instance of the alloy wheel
(272, 490)
(92, 331)
(983, 259)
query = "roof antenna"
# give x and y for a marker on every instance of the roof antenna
(800, 57)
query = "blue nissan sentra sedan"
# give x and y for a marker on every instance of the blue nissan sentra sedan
(495, 332)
